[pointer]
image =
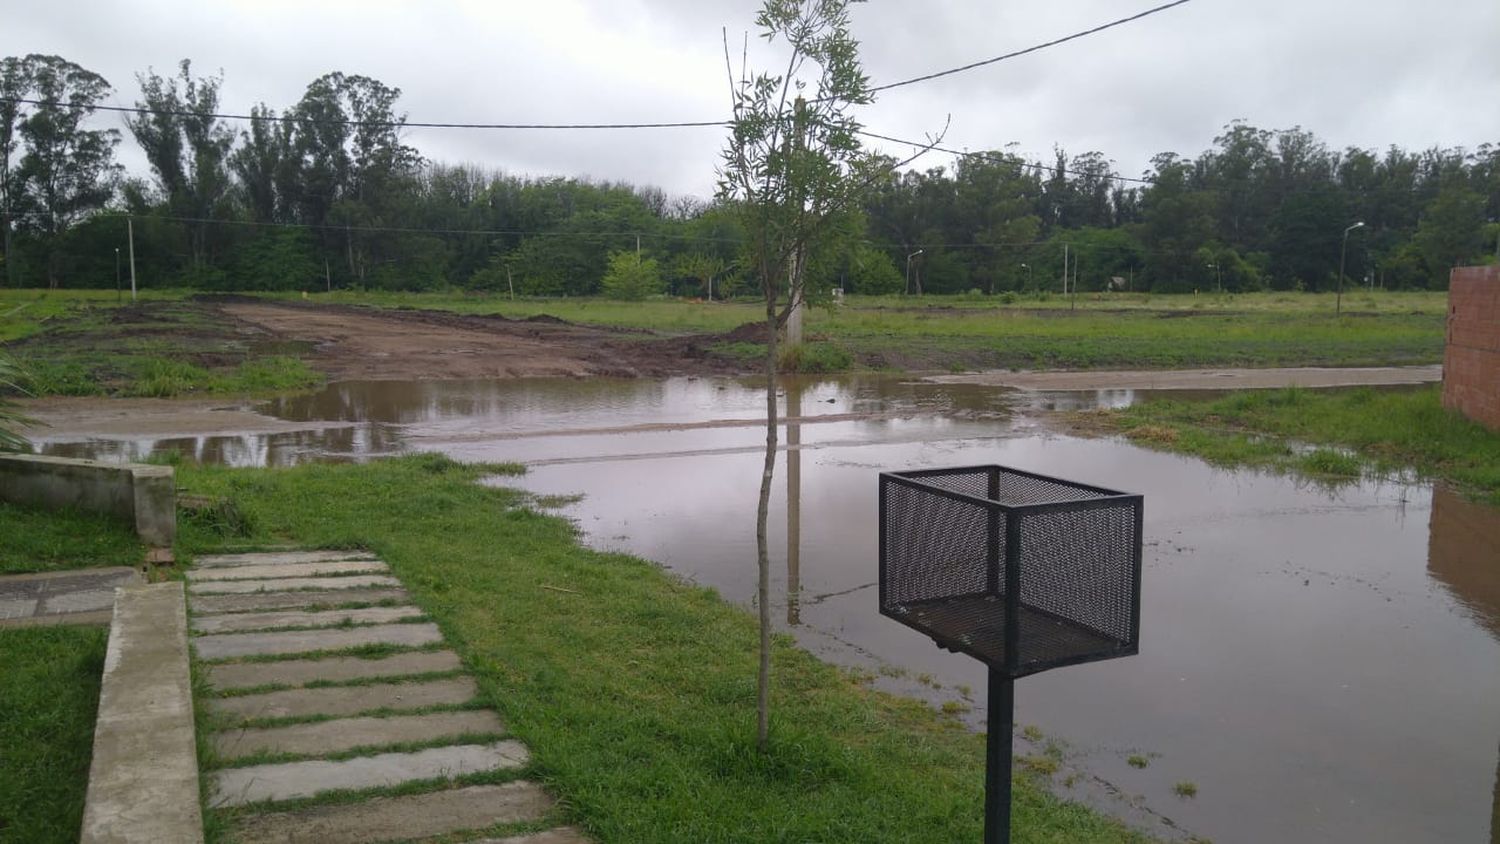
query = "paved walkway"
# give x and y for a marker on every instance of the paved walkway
(303, 724)
(82, 596)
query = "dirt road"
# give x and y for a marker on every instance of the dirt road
(353, 343)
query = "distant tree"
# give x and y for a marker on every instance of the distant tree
(264, 167)
(631, 277)
(1450, 231)
(702, 269)
(188, 150)
(68, 171)
(15, 83)
(872, 272)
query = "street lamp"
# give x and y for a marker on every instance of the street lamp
(908, 269)
(117, 275)
(1338, 301)
(1218, 279)
(1027, 268)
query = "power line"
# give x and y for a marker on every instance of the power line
(681, 124)
(1032, 49)
(377, 124)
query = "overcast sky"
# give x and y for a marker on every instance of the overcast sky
(1366, 73)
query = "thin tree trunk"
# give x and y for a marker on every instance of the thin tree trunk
(763, 559)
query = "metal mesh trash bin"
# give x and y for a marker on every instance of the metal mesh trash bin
(1021, 571)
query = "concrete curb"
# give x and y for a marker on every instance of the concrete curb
(143, 782)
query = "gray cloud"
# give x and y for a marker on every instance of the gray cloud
(1365, 74)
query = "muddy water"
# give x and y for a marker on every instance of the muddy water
(1324, 665)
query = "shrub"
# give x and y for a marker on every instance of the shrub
(631, 277)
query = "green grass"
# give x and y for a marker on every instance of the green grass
(635, 691)
(49, 693)
(1356, 431)
(43, 540)
(161, 348)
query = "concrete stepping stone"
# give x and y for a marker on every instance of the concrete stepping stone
(276, 558)
(291, 780)
(325, 737)
(410, 816)
(287, 570)
(561, 835)
(290, 584)
(293, 618)
(299, 672)
(208, 604)
(229, 645)
(348, 700)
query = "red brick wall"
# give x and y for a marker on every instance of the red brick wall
(1471, 365)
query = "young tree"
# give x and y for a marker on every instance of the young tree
(793, 166)
(631, 277)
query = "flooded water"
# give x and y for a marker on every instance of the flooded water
(1322, 664)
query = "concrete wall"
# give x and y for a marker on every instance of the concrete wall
(142, 494)
(1471, 364)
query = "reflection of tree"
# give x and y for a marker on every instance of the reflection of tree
(1463, 548)
(793, 502)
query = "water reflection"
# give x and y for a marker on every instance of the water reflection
(1463, 553)
(794, 503)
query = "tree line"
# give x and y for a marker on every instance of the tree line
(325, 194)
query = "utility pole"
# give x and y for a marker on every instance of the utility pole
(1065, 268)
(130, 231)
(794, 281)
(327, 275)
(1073, 302)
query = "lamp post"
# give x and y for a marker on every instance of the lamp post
(908, 270)
(1218, 279)
(117, 275)
(1027, 268)
(1338, 301)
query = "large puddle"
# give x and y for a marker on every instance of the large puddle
(1323, 664)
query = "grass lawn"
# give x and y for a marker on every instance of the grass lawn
(42, 540)
(167, 346)
(1388, 430)
(49, 693)
(635, 690)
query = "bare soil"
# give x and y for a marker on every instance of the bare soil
(355, 343)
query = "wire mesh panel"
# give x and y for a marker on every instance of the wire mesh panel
(1019, 570)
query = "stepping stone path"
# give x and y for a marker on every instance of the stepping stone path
(298, 723)
(86, 596)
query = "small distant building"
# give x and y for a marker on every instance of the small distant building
(1471, 361)
(1118, 283)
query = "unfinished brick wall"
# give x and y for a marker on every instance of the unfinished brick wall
(1471, 364)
